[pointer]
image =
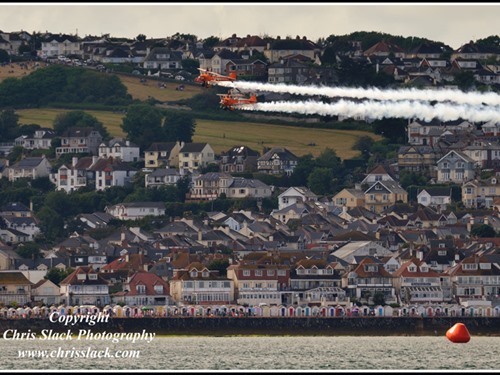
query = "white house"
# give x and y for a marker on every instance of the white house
(295, 194)
(136, 210)
(117, 148)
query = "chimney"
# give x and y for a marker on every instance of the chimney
(200, 235)
(486, 220)
(469, 224)
(420, 254)
(74, 160)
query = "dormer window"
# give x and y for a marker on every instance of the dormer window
(158, 289)
(92, 276)
(469, 266)
(412, 268)
(205, 274)
(141, 289)
(194, 273)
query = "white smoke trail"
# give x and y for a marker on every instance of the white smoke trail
(377, 110)
(439, 95)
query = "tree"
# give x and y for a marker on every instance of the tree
(142, 124)
(56, 275)
(140, 38)
(364, 144)
(9, 127)
(302, 170)
(210, 42)
(179, 127)
(80, 119)
(29, 250)
(483, 230)
(219, 265)
(4, 56)
(464, 80)
(320, 181)
(51, 223)
(191, 65)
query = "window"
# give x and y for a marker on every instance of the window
(158, 289)
(258, 272)
(141, 289)
(246, 272)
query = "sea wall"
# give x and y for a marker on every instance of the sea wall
(219, 326)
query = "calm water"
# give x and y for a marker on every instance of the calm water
(265, 353)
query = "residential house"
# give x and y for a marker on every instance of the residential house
(85, 286)
(193, 156)
(40, 140)
(79, 140)
(475, 277)
(318, 275)
(144, 288)
(281, 48)
(117, 148)
(455, 167)
(296, 194)
(379, 173)
(211, 185)
(479, 193)
(162, 154)
(95, 219)
(385, 48)
(239, 159)
(45, 291)
(419, 158)
(27, 226)
(486, 154)
(417, 283)
(368, 280)
(349, 198)
(54, 45)
(256, 283)
(76, 176)
(162, 177)
(162, 58)
(277, 160)
(111, 172)
(14, 288)
(29, 167)
(437, 198)
(349, 250)
(199, 285)
(136, 210)
(8, 257)
(383, 194)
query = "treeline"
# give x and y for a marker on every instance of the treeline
(61, 84)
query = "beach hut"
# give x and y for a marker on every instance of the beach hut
(11, 313)
(291, 311)
(315, 311)
(62, 310)
(387, 310)
(274, 311)
(118, 311)
(496, 311)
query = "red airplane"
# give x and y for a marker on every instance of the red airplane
(207, 77)
(233, 100)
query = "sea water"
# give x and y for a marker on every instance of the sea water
(296, 353)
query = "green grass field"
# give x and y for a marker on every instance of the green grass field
(222, 135)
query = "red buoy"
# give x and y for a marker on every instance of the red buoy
(458, 333)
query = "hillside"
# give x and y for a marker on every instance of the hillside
(221, 135)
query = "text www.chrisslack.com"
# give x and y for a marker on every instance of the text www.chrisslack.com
(78, 353)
